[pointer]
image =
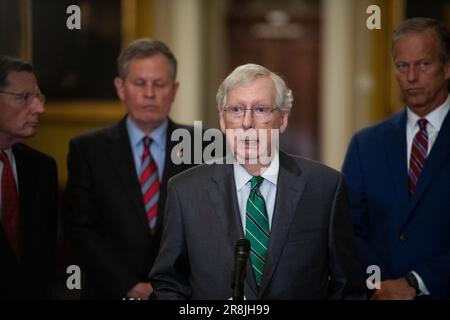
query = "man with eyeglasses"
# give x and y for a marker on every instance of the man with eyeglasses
(293, 211)
(28, 189)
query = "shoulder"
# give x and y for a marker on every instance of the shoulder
(95, 140)
(98, 134)
(26, 153)
(30, 152)
(315, 168)
(198, 174)
(198, 127)
(379, 128)
(321, 181)
(174, 126)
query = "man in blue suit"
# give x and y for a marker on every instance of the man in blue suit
(398, 172)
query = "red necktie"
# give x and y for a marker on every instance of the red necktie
(419, 153)
(10, 205)
(149, 184)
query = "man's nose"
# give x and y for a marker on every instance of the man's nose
(412, 74)
(247, 121)
(149, 90)
(37, 106)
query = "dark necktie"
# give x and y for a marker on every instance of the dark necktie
(10, 205)
(149, 184)
(257, 228)
(419, 153)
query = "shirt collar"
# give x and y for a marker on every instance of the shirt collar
(435, 118)
(158, 135)
(241, 175)
(9, 154)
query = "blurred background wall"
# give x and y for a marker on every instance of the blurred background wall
(340, 71)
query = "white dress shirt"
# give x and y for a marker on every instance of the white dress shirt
(268, 188)
(435, 120)
(157, 147)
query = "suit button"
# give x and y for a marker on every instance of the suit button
(403, 237)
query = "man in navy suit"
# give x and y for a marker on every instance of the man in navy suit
(28, 189)
(398, 172)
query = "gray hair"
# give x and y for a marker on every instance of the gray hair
(418, 25)
(10, 64)
(145, 48)
(245, 74)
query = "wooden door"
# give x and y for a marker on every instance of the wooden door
(287, 42)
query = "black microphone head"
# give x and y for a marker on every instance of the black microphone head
(241, 253)
(242, 247)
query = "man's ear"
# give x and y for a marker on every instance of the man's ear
(223, 128)
(447, 70)
(176, 85)
(118, 84)
(284, 121)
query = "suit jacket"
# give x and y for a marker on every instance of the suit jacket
(105, 218)
(311, 253)
(397, 232)
(32, 276)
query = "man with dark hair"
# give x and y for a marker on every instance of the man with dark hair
(29, 188)
(398, 172)
(116, 188)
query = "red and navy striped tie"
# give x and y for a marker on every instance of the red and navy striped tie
(419, 153)
(149, 184)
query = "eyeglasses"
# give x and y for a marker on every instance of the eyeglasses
(259, 112)
(25, 99)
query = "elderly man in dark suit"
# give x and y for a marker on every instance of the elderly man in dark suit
(29, 188)
(398, 172)
(116, 188)
(294, 211)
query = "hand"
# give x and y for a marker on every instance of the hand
(397, 289)
(140, 291)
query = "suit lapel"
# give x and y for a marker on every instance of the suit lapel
(226, 207)
(169, 166)
(290, 187)
(26, 176)
(121, 155)
(222, 194)
(169, 170)
(439, 153)
(396, 153)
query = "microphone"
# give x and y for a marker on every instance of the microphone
(241, 252)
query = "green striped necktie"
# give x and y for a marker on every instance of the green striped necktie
(257, 228)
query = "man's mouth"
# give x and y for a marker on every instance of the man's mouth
(414, 91)
(150, 107)
(249, 142)
(32, 123)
